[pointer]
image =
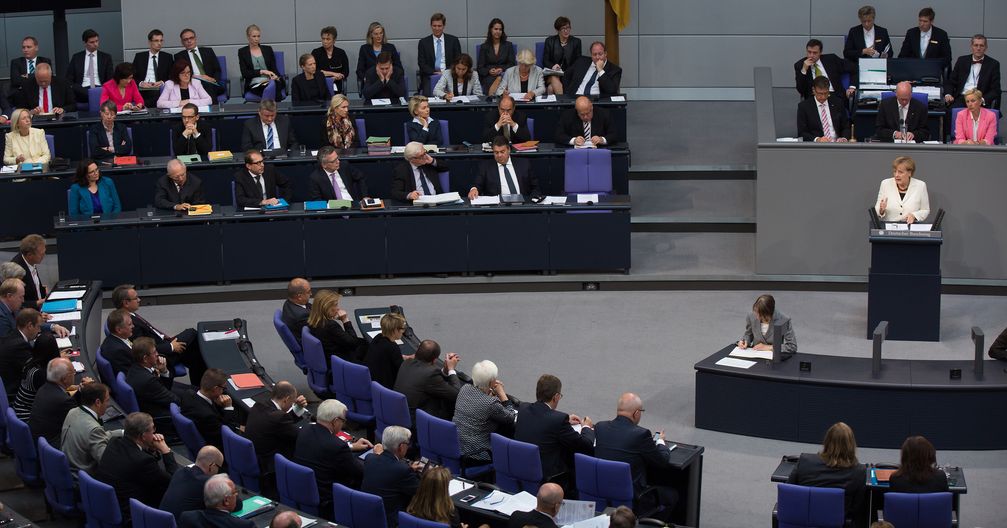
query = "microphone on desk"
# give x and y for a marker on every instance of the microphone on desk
(902, 128)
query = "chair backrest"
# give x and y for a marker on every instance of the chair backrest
(540, 54)
(445, 178)
(351, 383)
(242, 462)
(314, 359)
(98, 500)
(124, 394)
(105, 370)
(234, 195)
(434, 79)
(357, 509)
(330, 83)
(587, 171)
(919, 96)
(606, 482)
(445, 132)
(213, 139)
(94, 99)
(25, 455)
(269, 92)
(918, 510)
(390, 408)
(223, 80)
(51, 140)
(288, 338)
(186, 429)
(408, 521)
(281, 67)
(59, 485)
(531, 126)
(805, 506)
(146, 517)
(129, 132)
(296, 485)
(438, 441)
(517, 464)
(361, 131)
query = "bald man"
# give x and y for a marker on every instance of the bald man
(903, 107)
(550, 497)
(297, 306)
(177, 189)
(623, 440)
(44, 93)
(285, 519)
(185, 491)
(584, 124)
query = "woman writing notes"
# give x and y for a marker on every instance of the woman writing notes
(760, 327)
(903, 198)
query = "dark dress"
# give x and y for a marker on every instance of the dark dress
(487, 59)
(935, 483)
(340, 339)
(338, 63)
(383, 359)
(304, 91)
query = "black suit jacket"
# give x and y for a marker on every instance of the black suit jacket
(75, 76)
(340, 339)
(608, 84)
(425, 54)
(253, 138)
(812, 471)
(551, 431)
(426, 387)
(118, 354)
(167, 196)
(834, 69)
(153, 392)
(134, 473)
(185, 490)
(375, 88)
(888, 120)
(392, 480)
(383, 359)
(211, 65)
(570, 126)
(304, 91)
(49, 411)
(555, 53)
(120, 137)
(271, 431)
(249, 71)
(207, 417)
(141, 61)
(143, 328)
(809, 121)
(854, 48)
(295, 317)
(623, 441)
(339, 63)
(988, 82)
(320, 188)
(366, 59)
(490, 132)
(403, 182)
(61, 95)
(211, 518)
(486, 59)
(30, 295)
(488, 178)
(431, 136)
(249, 194)
(14, 353)
(19, 71)
(192, 145)
(939, 47)
(330, 458)
(520, 519)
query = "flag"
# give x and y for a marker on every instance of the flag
(621, 10)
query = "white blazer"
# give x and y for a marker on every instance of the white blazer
(916, 201)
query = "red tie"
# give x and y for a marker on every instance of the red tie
(45, 100)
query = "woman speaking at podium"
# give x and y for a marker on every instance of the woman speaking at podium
(760, 327)
(903, 198)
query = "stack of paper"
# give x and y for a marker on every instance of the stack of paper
(733, 362)
(751, 353)
(507, 504)
(587, 198)
(437, 199)
(457, 486)
(65, 316)
(66, 294)
(220, 336)
(485, 200)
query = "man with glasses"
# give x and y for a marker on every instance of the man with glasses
(297, 307)
(506, 121)
(185, 491)
(152, 67)
(258, 184)
(335, 180)
(323, 447)
(138, 464)
(419, 175)
(209, 407)
(268, 131)
(177, 190)
(84, 437)
(203, 61)
(191, 136)
(623, 440)
(221, 498)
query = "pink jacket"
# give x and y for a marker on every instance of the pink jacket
(171, 95)
(987, 126)
(110, 91)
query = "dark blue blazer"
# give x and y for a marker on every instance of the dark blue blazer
(185, 491)
(854, 47)
(80, 198)
(213, 519)
(622, 440)
(330, 458)
(431, 136)
(98, 139)
(551, 431)
(392, 480)
(118, 354)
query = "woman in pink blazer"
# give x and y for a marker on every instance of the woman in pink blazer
(181, 88)
(121, 89)
(975, 125)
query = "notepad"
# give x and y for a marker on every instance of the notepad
(733, 362)
(751, 353)
(65, 316)
(554, 200)
(485, 200)
(220, 336)
(281, 204)
(63, 342)
(457, 485)
(587, 198)
(67, 294)
(200, 210)
(246, 381)
(78, 367)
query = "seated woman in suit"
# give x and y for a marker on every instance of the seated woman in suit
(339, 131)
(258, 64)
(524, 81)
(33, 373)
(495, 55)
(459, 80)
(24, 144)
(559, 52)
(482, 408)
(377, 42)
(181, 88)
(903, 198)
(432, 501)
(109, 138)
(330, 59)
(918, 471)
(91, 194)
(760, 327)
(384, 357)
(423, 128)
(309, 85)
(121, 89)
(332, 326)
(975, 125)
(836, 466)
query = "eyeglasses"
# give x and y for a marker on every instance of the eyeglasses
(256, 162)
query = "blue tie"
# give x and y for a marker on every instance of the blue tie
(590, 82)
(269, 138)
(438, 54)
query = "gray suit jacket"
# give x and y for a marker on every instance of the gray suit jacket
(511, 82)
(754, 336)
(83, 440)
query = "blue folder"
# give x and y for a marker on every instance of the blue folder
(61, 306)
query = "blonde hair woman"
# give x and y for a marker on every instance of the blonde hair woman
(331, 325)
(25, 144)
(339, 131)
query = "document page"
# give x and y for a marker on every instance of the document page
(572, 511)
(486, 200)
(458, 486)
(920, 227)
(65, 316)
(220, 336)
(554, 200)
(733, 362)
(751, 353)
(601, 521)
(587, 198)
(66, 294)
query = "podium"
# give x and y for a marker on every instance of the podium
(904, 284)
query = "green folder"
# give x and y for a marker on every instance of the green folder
(339, 204)
(189, 158)
(253, 506)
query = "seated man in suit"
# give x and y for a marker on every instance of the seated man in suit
(623, 440)
(31, 252)
(926, 41)
(11, 300)
(541, 424)
(269, 131)
(44, 93)
(152, 68)
(107, 137)
(388, 475)
(331, 458)
(815, 65)
(548, 501)
(220, 496)
(185, 490)
(84, 438)
(191, 136)
(507, 122)
(418, 176)
(427, 386)
(177, 190)
(203, 61)
(259, 184)
(209, 407)
(16, 349)
(594, 76)
(150, 379)
(504, 175)
(823, 117)
(976, 70)
(272, 427)
(23, 68)
(297, 307)
(585, 124)
(335, 180)
(902, 110)
(436, 52)
(384, 80)
(89, 68)
(53, 402)
(138, 464)
(117, 348)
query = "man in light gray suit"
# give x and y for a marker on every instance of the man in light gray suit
(83, 438)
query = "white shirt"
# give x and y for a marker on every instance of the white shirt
(831, 128)
(418, 177)
(34, 277)
(869, 41)
(973, 77)
(343, 191)
(297, 410)
(924, 42)
(92, 59)
(587, 76)
(504, 188)
(444, 52)
(151, 75)
(195, 69)
(276, 136)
